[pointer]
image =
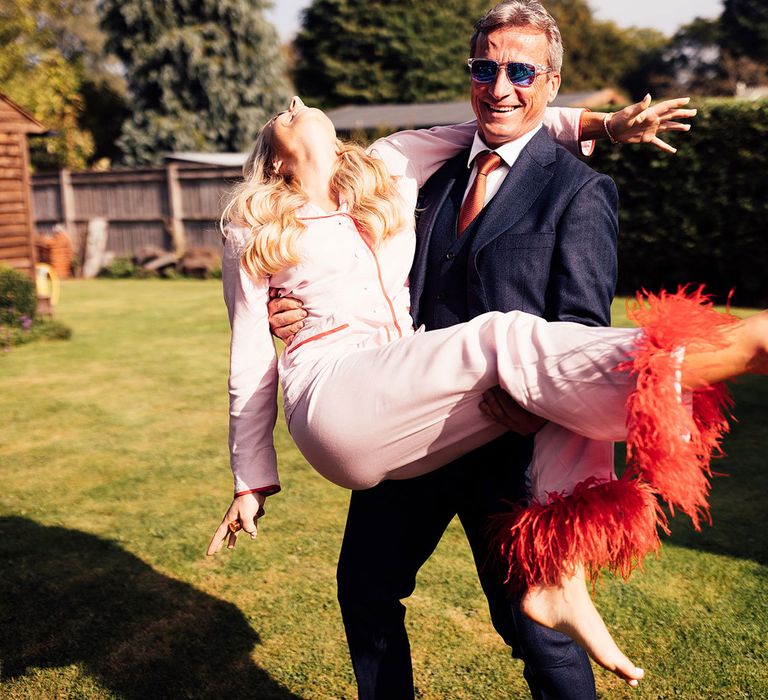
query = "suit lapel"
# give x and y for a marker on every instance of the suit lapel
(431, 200)
(520, 189)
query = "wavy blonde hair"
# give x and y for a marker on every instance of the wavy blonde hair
(267, 202)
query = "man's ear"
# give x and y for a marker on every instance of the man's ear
(554, 87)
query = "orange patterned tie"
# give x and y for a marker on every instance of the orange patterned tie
(487, 162)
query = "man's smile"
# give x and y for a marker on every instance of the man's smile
(502, 109)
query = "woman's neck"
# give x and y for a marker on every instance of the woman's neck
(314, 176)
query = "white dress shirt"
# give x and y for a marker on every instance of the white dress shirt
(509, 153)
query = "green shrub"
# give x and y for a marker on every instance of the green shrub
(119, 268)
(699, 216)
(18, 297)
(40, 329)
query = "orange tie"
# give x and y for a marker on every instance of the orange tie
(487, 162)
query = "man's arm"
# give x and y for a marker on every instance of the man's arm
(581, 284)
(584, 265)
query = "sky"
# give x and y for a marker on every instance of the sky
(665, 15)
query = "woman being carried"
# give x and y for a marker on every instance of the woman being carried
(367, 398)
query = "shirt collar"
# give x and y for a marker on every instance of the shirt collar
(312, 211)
(509, 151)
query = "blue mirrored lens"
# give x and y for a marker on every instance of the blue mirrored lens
(521, 73)
(484, 71)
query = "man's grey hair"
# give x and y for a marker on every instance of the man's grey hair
(514, 14)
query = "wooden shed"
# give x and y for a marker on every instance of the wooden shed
(16, 218)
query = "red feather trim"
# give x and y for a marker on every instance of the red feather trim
(611, 525)
(670, 445)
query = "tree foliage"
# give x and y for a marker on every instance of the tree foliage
(203, 74)
(745, 28)
(708, 57)
(600, 54)
(37, 74)
(354, 52)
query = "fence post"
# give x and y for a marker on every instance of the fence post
(68, 213)
(176, 206)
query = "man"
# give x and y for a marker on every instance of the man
(544, 242)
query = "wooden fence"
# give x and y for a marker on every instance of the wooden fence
(174, 207)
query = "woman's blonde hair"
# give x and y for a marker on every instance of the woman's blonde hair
(266, 203)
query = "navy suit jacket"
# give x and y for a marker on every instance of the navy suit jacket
(546, 243)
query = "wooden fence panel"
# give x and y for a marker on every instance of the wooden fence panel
(139, 206)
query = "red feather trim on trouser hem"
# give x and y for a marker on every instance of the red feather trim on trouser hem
(678, 469)
(613, 525)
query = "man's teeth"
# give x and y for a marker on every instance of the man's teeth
(502, 109)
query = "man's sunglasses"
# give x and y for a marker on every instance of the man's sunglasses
(484, 70)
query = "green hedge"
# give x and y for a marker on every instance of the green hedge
(18, 296)
(700, 216)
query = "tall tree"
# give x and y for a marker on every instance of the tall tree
(700, 60)
(745, 28)
(203, 74)
(37, 72)
(599, 54)
(370, 51)
(350, 51)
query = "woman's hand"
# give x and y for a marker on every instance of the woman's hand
(642, 123)
(242, 514)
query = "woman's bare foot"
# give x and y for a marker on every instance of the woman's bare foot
(568, 608)
(746, 352)
(758, 329)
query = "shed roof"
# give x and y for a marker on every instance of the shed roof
(228, 160)
(16, 119)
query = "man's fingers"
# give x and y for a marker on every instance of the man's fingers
(287, 333)
(492, 405)
(231, 540)
(281, 304)
(287, 318)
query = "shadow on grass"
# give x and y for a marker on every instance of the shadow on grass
(738, 498)
(69, 597)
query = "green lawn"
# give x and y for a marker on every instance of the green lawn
(114, 473)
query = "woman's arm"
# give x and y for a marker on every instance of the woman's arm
(416, 154)
(252, 375)
(639, 123)
(577, 129)
(252, 397)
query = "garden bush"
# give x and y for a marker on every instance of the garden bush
(701, 215)
(18, 297)
(119, 268)
(18, 303)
